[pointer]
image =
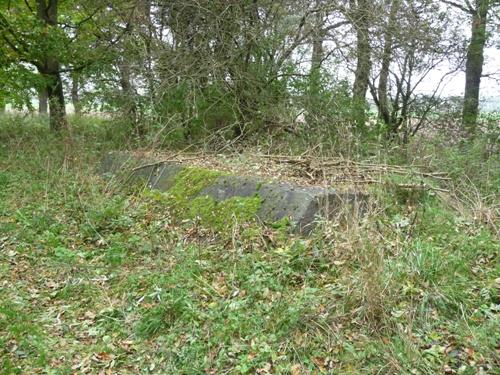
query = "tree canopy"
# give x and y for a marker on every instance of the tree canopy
(245, 66)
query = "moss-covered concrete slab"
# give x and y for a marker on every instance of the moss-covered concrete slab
(301, 206)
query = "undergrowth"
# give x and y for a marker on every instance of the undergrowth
(97, 277)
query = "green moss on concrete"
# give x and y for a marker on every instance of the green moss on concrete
(191, 181)
(219, 216)
(205, 209)
(223, 215)
(241, 208)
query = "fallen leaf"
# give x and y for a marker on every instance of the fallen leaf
(296, 369)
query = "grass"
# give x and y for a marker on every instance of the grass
(97, 277)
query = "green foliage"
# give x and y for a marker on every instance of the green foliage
(109, 218)
(17, 86)
(4, 180)
(473, 164)
(175, 304)
(328, 106)
(16, 325)
(404, 189)
(213, 111)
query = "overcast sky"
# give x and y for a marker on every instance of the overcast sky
(455, 84)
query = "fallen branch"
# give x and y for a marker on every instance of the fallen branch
(403, 186)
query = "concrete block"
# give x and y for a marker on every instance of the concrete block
(303, 206)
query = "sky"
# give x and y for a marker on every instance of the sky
(455, 84)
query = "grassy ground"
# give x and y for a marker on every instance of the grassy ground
(95, 278)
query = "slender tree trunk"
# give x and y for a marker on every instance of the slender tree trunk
(127, 89)
(148, 41)
(382, 94)
(55, 93)
(474, 66)
(75, 93)
(128, 96)
(317, 53)
(317, 57)
(43, 101)
(50, 69)
(363, 65)
(247, 89)
(406, 90)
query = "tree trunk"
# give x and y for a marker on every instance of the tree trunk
(363, 65)
(474, 67)
(148, 40)
(55, 93)
(382, 94)
(317, 55)
(50, 69)
(43, 101)
(128, 93)
(128, 99)
(75, 95)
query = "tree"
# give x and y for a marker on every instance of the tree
(233, 67)
(361, 11)
(474, 65)
(38, 47)
(324, 23)
(230, 62)
(49, 66)
(75, 93)
(317, 56)
(478, 11)
(17, 80)
(413, 39)
(51, 37)
(389, 34)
